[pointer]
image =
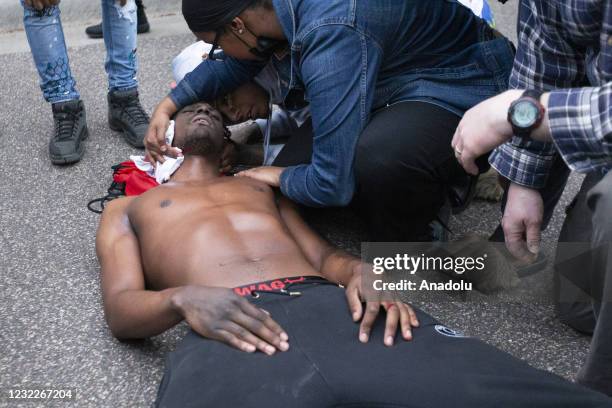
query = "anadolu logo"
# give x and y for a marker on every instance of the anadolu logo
(445, 331)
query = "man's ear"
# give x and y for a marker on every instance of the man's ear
(237, 26)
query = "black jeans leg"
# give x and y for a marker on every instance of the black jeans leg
(404, 163)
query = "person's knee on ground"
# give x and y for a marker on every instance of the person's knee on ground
(403, 166)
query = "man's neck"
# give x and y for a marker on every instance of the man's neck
(197, 169)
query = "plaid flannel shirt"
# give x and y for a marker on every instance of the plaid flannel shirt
(565, 47)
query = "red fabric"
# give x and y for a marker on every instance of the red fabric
(136, 181)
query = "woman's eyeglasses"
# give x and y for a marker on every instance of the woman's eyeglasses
(215, 46)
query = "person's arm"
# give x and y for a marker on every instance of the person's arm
(556, 63)
(335, 264)
(339, 66)
(132, 311)
(338, 266)
(579, 124)
(212, 78)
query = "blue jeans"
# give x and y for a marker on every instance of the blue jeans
(46, 38)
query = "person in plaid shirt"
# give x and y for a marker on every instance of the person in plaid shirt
(558, 115)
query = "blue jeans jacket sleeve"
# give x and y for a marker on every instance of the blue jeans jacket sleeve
(212, 78)
(339, 69)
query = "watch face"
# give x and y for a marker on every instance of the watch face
(525, 114)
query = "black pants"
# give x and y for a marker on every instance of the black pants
(583, 280)
(326, 366)
(404, 166)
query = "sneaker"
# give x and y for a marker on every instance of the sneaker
(66, 146)
(125, 114)
(95, 31)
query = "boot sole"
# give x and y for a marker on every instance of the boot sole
(118, 127)
(73, 157)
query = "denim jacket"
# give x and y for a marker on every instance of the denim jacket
(352, 57)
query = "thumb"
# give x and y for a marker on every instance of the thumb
(533, 237)
(515, 242)
(468, 161)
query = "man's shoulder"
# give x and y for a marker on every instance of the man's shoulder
(118, 205)
(115, 210)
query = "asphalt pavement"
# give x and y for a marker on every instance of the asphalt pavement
(53, 331)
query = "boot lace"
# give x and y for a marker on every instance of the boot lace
(65, 124)
(135, 111)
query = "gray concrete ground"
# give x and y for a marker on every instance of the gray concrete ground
(53, 332)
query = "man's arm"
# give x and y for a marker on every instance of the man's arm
(340, 267)
(545, 60)
(334, 263)
(131, 310)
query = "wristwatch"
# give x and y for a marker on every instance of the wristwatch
(526, 113)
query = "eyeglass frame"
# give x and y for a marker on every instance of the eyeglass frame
(215, 45)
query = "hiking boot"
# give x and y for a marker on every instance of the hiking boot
(95, 31)
(143, 22)
(126, 115)
(66, 146)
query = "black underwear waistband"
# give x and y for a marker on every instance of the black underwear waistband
(279, 286)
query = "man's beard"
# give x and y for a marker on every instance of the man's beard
(200, 144)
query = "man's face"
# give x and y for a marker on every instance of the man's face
(249, 101)
(199, 130)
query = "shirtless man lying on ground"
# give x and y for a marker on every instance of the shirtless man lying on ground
(175, 252)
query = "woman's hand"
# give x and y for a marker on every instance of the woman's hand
(155, 139)
(266, 174)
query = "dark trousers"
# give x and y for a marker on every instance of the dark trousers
(583, 276)
(326, 366)
(404, 166)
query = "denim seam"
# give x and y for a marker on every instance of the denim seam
(364, 80)
(354, 28)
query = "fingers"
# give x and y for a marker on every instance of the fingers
(354, 302)
(391, 324)
(261, 323)
(519, 250)
(231, 339)
(155, 141)
(464, 155)
(249, 342)
(371, 312)
(516, 244)
(408, 320)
